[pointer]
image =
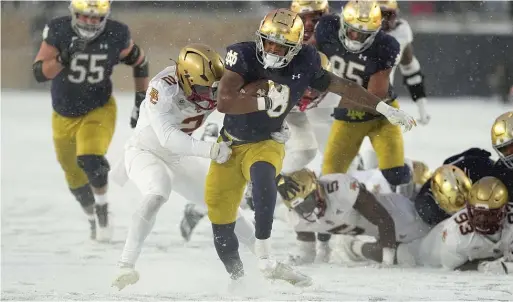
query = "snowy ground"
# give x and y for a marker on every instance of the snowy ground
(46, 254)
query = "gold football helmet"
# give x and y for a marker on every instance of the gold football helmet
(421, 173)
(389, 11)
(305, 6)
(308, 202)
(360, 22)
(502, 138)
(450, 187)
(310, 12)
(89, 17)
(487, 205)
(312, 97)
(281, 30)
(199, 70)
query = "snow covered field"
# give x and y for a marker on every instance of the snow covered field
(46, 253)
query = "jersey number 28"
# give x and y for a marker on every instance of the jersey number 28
(87, 67)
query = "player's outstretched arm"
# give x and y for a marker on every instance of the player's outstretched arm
(368, 206)
(46, 66)
(230, 99)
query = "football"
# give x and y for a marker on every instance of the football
(256, 88)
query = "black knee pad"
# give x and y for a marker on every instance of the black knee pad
(96, 167)
(84, 195)
(323, 237)
(398, 175)
(305, 236)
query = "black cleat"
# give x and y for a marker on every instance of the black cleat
(190, 219)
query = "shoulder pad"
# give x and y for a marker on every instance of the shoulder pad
(119, 32)
(162, 90)
(405, 30)
(240, 58)
(326, 27)
(55, 31)
(389, 51)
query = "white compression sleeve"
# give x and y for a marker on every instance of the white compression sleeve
(142, 224)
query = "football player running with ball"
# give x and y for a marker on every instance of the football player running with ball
(279, 58)
(78, 54)
(479, 237)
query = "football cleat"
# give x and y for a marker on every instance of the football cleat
(191, 218)
(275, 270)
(127, 276)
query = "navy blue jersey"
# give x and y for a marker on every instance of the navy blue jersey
(358, 67)
(297, 76)
(477, 164)
(85, 84)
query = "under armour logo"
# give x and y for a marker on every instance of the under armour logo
(231, 58)
(104, 46)
(296, 76)
(362, 57)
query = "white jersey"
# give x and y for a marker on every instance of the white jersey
(341, 218)
(453, 242)
(404, 35)
(167, 119)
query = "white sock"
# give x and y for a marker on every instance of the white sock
(143, 221)
(263, 248)
(245, 231)
(100, 199)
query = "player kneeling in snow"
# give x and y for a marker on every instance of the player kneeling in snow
(162, 156)
(340, 204)
(478, 237)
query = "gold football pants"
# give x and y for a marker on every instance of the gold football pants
(225, 183)
(346, 138)
(90, 134)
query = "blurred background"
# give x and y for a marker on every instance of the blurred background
(465, 47)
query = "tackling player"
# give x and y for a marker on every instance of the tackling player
(341, 204)
(478, 237)
(408, 63)
(78, 54)
(161, 156)
(361, 52)
(277, 57)
(477, 164)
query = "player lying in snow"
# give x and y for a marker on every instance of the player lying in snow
(478, 237)
(341, 204)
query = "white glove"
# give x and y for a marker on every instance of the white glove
(220, 152)
(424, 117)
(396, 116)
(499, 266)
(277, 96)
(283, 135)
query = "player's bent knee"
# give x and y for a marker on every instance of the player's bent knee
(96, 167)
(397, 175)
